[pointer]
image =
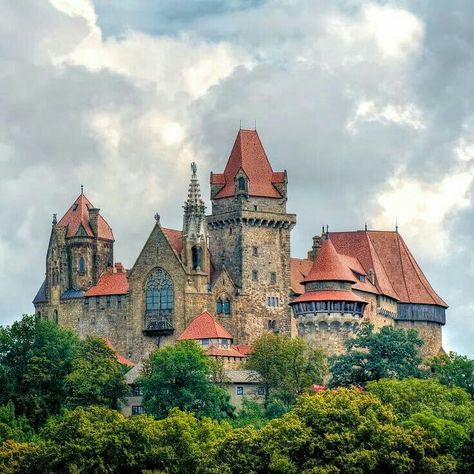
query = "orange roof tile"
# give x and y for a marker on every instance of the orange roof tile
(328, 295)
(328, 266)
(396, 271)
(243, 349)
(110, 283)
(204, 326)
(78, 214)
(121, 359)
(175, 238)
(219, 352)
(299, 268)
(249, 155)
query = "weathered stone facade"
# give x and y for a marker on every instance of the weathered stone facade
(234, 263)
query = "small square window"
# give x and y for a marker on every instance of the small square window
(255, 251)
(255, 208)
(362, 278)
(260, 391)
(254, 275)
(137, 410)
(137, 391)
(239, 390)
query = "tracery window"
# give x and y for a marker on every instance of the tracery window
(159, 292)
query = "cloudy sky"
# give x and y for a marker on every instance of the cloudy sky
(368, 105)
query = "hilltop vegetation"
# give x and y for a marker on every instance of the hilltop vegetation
(385, 413)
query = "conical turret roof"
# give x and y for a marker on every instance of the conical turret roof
(328, 266)
(249, 156)
(78, 215)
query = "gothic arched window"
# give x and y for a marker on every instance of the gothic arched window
(242, 185)
(82, 265)
(226, 306)
(159, 292)
(219, 306)
(55, 316)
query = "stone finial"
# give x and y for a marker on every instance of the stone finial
(157, 218)
(82, 189)
(194, 168)
(55, 219)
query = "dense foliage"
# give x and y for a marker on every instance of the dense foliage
(287, 367)
(389, 353)
(179, 376)
(398, 423)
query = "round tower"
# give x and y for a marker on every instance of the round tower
(328, 312)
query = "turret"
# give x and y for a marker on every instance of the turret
(328, 312)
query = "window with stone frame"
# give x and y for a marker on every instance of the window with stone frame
(137, 410)
(159, 292)
(273, 278)
(254, 275)
(239, 390)
(219, 306)
(81, 265)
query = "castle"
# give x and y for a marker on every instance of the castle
(234, 267)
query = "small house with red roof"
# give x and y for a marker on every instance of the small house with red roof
(232, 267)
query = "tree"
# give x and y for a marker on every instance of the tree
(97, 378)
(454, 370)
(287, 367)
(13, 427)
(180, 376)
(389, 353)
(35, 357)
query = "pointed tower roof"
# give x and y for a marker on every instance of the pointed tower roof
(194, 208)
(249, 156)
(328, 266)
(77, 219)
(204, 326)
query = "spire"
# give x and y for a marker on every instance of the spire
(194, 209)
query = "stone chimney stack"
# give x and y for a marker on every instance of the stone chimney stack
(317, 243)
(93, 214)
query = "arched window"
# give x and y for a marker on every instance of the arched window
(219, 306)
(226, 306)
(55, 316)
(159, 292)
(82, 265)
(242, 185)
(197, 257)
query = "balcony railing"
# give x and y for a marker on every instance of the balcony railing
(158, 323)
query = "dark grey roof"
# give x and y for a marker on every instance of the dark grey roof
(72, 294)
(41, 296)
(243, 376)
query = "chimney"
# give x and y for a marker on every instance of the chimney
(93, 213)
(317, 242)
(118, 267)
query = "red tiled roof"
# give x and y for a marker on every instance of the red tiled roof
(328, 266)
(299, 268)
(175, 238)
(78, 214)
(397, 274)
(328, 295)
(243, 349)
(111, 283)
(248, 154)
(204, 326)
(122, 360)
(356, 267)
(219, 352)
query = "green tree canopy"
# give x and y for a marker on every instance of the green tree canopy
(389, 353)
(97, 378)
(287, 367)
(13, 427)
(179, 376)
(35, 357)
(454, 370)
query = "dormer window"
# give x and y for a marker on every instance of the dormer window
(362, 278)
(241, 184)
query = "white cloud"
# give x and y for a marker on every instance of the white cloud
(423, 208)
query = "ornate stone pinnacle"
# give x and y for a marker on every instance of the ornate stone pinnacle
(157, 218)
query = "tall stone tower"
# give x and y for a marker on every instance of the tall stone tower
(195, 253)
(80, 249)
(249, 231)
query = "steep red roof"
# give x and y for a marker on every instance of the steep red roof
(328, 266)
(219, 352)
(299, 268)
(328, 295)
(397, 272)
(204, 326)
(111, 283)
(78, 214)
(175, 238)
(249, 155)
(121, 359)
